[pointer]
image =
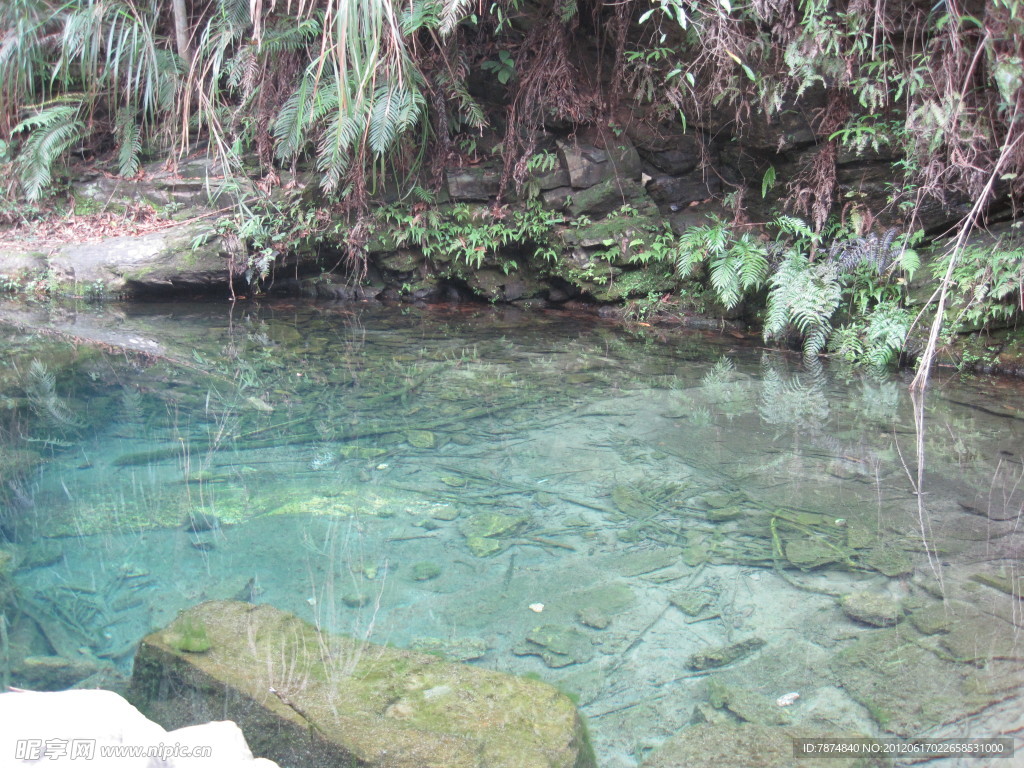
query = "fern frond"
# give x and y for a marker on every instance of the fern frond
(52, 131)
(129, 139)
(452, 12)
(803, 296)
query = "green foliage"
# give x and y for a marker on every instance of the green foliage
(736, 264)
(988, 281)
(467, 236)
(51, 132)
(804, 295)
(504, 68)
(875, 338)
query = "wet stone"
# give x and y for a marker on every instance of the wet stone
(593, 618)
(874, 608)
(932, 619)
(692, 602)
(558, 646)
(712, 658)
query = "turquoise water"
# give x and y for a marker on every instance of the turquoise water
(615, 512)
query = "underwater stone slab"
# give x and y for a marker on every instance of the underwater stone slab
(712, 745)
(317, 700)
(712, 658)
(907, 689)
(874, 608)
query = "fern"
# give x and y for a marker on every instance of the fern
(735, 267)
(129, 140)
(51, 132)
(886, 333)
(804, 296)
(451, 14)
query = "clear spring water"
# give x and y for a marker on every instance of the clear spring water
(431, 479)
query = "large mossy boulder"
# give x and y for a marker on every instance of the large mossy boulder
(303, 697)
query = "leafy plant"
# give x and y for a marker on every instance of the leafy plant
(988, 280)
(736, 264)
(803, 297)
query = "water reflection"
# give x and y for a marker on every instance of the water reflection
(675, 531)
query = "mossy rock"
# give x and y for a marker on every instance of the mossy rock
(807, 553)
(749, 706)
(425, 571)
(187, 634)
(593, 618)
(360, 704)
(481, 546)
(458, 649)
(907, 689)
(558, 646)
(490, 524)
(609, 599)
(640, 563)
(692, 602)
(875, 608)
(933, 619)
(720, 656)
(421, 438)
(890, 560)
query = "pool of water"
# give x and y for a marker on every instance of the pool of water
(673, 528)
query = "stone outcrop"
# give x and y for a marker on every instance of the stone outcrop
(183, 257)
(305, 698)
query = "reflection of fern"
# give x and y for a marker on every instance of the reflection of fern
(803, 296)
(40, 389)
(786, 400)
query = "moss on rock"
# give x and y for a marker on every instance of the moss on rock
(306, 698)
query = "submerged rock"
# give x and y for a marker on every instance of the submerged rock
(558, 646)
(483, 531)
(874, 608)
(458, 649)
(692, 602)
(749, 706)
(715, 744)
(198, 522)
(302, 697)
(907, 688)
(720, 656)
(425, 571)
